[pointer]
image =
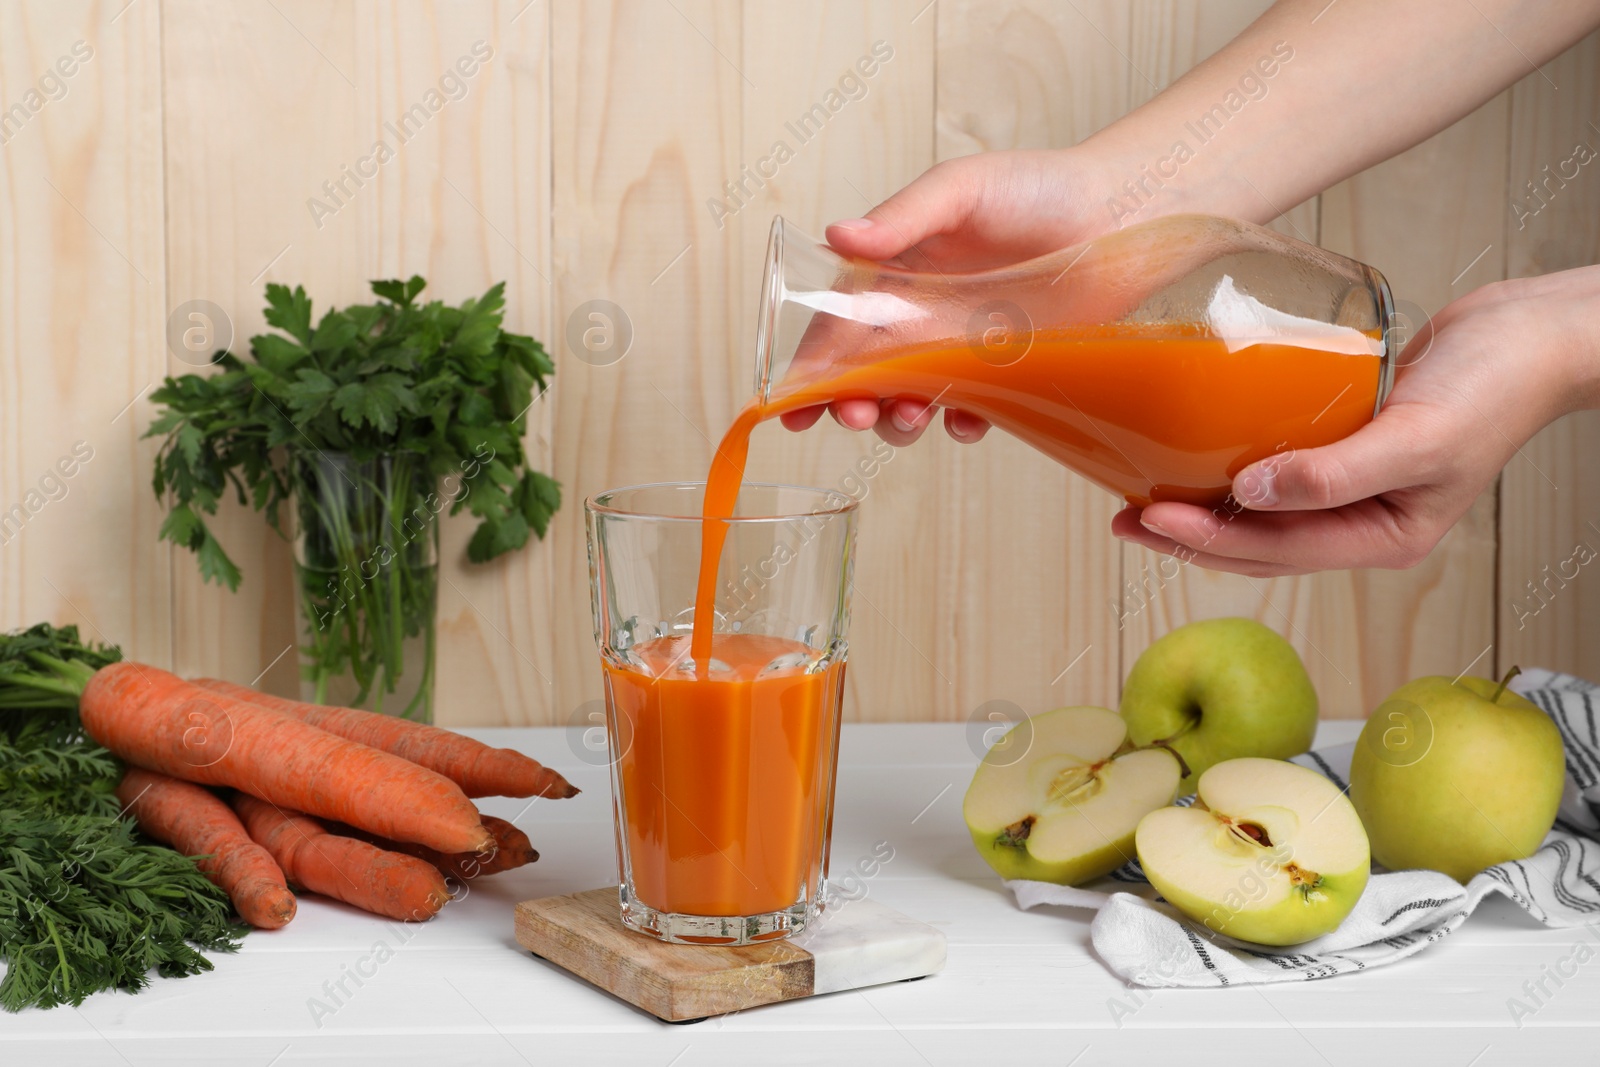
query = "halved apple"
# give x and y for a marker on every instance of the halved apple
(1053, 801)
(1271, 852)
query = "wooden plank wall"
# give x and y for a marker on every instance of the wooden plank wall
(178, 163)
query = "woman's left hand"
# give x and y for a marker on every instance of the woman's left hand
(1489, 372)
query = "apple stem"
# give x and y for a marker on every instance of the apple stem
(1512, 673)
(1183, 768)
(1190, 722)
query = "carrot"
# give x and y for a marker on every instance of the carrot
(480, 770)
(512, 847)
(512, 850)
(196, 822)
(157, 721)
(362, 875)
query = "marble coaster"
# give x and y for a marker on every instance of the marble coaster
(853, 944)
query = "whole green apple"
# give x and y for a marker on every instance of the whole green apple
(1456, 776)
(1270, 852)
(1218, 690)
(1057, 799)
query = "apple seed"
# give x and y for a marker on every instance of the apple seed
(1075, 783)
(1251, 832)
(1256, 834)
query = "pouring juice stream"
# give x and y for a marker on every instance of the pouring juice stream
(1157, 361)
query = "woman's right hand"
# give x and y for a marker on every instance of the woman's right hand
(966, 214)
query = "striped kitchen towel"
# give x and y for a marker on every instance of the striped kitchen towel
(1146, 942)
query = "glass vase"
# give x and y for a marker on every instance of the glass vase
(367, 579)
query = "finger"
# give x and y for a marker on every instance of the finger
(1396, 450)
(1126, 526)
(964, 426)
(1396, 532)
(859, 413)
(939, 201)
(802, 418)
(903, 421)
(909, 414)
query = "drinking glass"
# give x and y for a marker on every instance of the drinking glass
(722, 774)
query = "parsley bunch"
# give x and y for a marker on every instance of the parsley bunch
(447, 384)
(370, 421)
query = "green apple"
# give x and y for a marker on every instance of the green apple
(1457, 776)
(1270, 853)
(1057, 799)
(1218, 690)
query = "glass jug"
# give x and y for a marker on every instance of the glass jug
(1157, 361)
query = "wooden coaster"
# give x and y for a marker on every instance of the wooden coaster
(851, 945)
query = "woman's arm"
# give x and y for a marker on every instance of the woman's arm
(1366, 79)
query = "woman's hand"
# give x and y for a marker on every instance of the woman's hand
(966, 214)
(1489, 372)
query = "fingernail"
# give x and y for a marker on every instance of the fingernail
(854, 224)
(1159, 530)
(901, 423)
(1258, 487)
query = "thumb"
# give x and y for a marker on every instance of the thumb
(940, 201)
(1391, 452)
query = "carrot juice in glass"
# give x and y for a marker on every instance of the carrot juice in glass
(724, 736)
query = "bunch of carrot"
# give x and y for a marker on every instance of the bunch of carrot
(364, 808)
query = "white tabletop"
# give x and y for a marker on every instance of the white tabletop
(1019, 987)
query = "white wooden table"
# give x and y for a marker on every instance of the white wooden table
(1019, 987)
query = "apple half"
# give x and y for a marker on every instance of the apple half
(1058, 798)
(1271, 853)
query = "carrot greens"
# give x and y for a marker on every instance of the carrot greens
(85, 904)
